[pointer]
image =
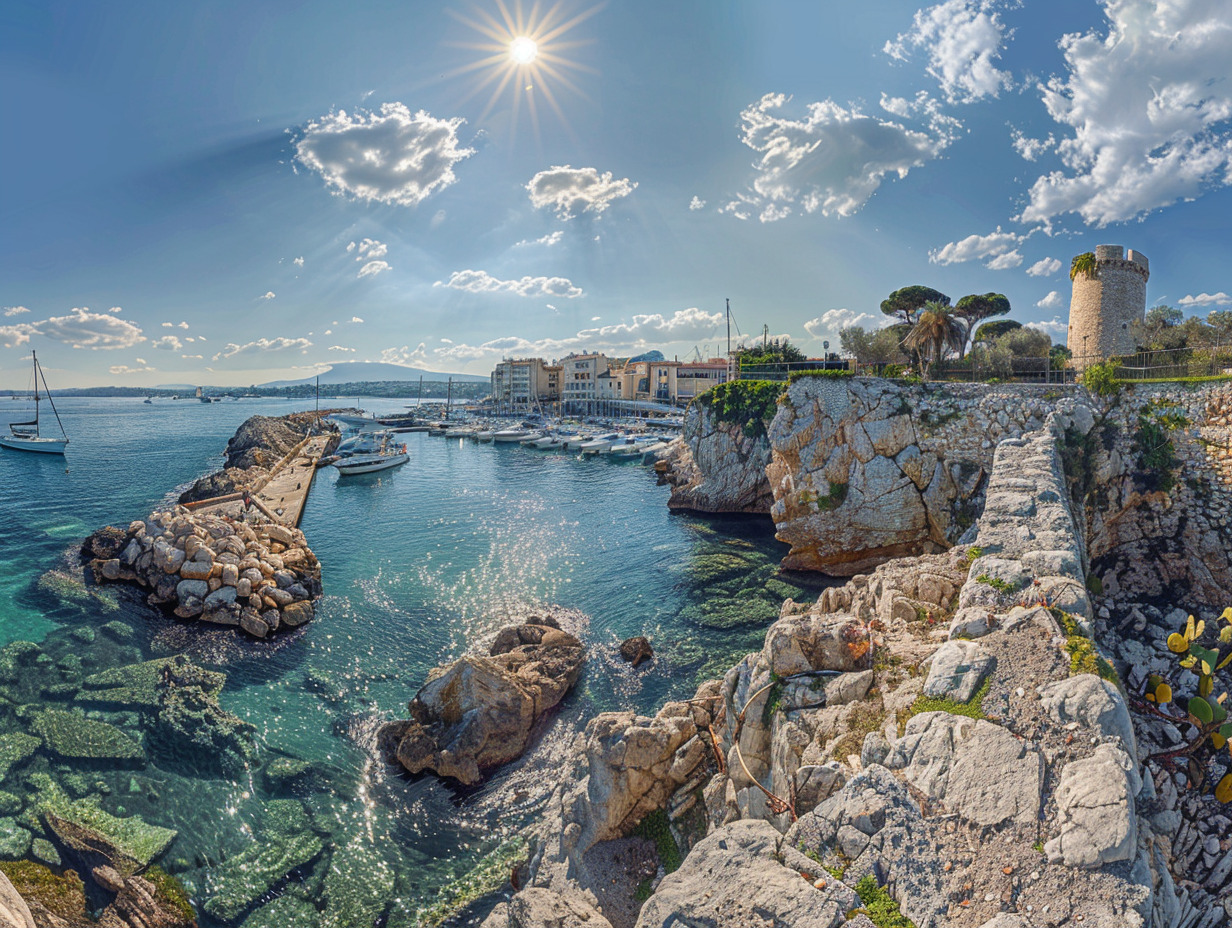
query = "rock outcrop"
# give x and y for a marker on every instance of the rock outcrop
(715, 467)
(255, 448)
(259, 576)
(479, 711)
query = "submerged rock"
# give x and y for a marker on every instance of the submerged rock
(478, 711)
(15, 749)
(635, 650)
(73, 736)
(250, 874)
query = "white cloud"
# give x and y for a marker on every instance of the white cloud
(372, 268)
(1005, 262)
(830, 161)
(697, 203)
(552, 238)
(298, 262)
(833, 321)
(1045, 267)
(1055, 327)
(264, 346)
(1031, 149)
(1205, 299)
(368, 249)
(172, 325)
(390, 156)
(15, 310)
(483, 282)
(570, 191)
(191, 356)
(125, 369)
(168, 343)
(437, 218)
(16, 335)
(1052, 300)
(339, 348)
(977, 247)
(963, 39)
(1149, 106)
(267, 295)
(84, 329)
(356, 319)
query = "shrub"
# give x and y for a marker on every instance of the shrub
(1102, 379)
(750, 404)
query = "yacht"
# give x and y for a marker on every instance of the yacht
(390, 454)
(511, 435)
(26, 436)
(600, 444)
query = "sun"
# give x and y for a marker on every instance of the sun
(525, 55)
(523, 50)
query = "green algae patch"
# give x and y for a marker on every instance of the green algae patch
(131, 843)
(138, 685)
(171, 892)
(657, 828)
(250, 874)
(283, 912)
(733, 612)
(63, 896)
(487, 876)
(15, 749)
(14, 840)
(358, 885)
(75, 737)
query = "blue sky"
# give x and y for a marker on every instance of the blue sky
(230, 193)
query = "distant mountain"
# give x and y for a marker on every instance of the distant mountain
(654, 355)
(375, 371)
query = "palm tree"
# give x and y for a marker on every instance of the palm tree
(935, 332)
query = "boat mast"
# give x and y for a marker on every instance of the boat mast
(38, 370)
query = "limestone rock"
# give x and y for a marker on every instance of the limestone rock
(478, 711)
(635, 650)
(733, 877)
(14, 913)
(536, 907)
(73, 736)
(715, 467)
(1093, 703)
(1095, 802)
(958, 668)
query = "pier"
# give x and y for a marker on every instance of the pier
(281, 498)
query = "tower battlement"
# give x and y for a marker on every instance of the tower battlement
(1106, 303)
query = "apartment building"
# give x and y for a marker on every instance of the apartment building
(694, 378)
(525, 384)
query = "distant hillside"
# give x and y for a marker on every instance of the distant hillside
(376, 371)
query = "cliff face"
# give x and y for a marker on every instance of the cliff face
(715, 467)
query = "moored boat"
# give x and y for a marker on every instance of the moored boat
(25, 436)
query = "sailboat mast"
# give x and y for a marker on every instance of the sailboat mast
(47, 390)
(34, 358)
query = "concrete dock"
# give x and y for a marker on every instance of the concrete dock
(283, 495)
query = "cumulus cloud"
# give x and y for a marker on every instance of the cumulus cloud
(1004, 262)
(96, 331)
(15, 310)
(356, 319)
(339, 348)
(697, 203)
(1205, 299)
(552, 238)
(172, 325)
(264, 346)
(483, 282)
(570, 191)
(1031, 149)
(15, 335)
(1052, 300)
(168, 343)
(1045, 267)
(833, 321)
(1146, 110)
(298, 262)
(963, 41)
(831, 160)
(372, 268)
(977, 247)
(389, 156)
(1055, 327)
(267, 295)
(143, 368)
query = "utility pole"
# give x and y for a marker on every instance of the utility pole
(729, 331)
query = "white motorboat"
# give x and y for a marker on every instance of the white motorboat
(357, 423)
(511, 435)
(25, 436)
(389, 454)
(600, 444)
(485, 434)
(547, 441)
(460, 432)
(575, 442)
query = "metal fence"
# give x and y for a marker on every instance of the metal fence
(1176, 363)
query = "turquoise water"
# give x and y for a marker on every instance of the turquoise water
(416, 563)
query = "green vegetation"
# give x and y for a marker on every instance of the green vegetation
(73, 736)
(1102, 379)
(1084, 656)
(63, 896)
(171, 892)
(828, 373)
(1157, 458)
(488, 875)
(880, 907)
(832, 500)
(936, 332)
(907, 302)
(973, 709)
(775, 351)
(750, 404)
(644, 891)
(974, 553)
(1001, 586)
(1084, 264)
(1095, 586)
(864, 719)
(657, 828)
(1205, 713)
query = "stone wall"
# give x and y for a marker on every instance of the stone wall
(1103, 307)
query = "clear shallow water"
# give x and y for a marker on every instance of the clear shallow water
(416, 564)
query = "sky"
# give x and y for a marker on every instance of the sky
(230, 193)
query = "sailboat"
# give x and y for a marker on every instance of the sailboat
(25, 436)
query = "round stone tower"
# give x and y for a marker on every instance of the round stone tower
(1105, 304)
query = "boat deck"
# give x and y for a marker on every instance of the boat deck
(284, 495)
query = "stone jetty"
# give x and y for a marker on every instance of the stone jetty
(229, 559)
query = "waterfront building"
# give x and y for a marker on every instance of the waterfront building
(579, 383)
(694, 378)
(523, 385)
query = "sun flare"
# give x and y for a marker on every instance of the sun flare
(523, 50)
(525, 55)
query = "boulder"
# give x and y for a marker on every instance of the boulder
(536, 907)
(1093, 703)
(479, 711)
(734, 877)
(958, 668)
(1095, 810)
(800, 643)
(14, 913)
(635, 650)
(74, 737)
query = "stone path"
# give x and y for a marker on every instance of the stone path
(283, 496)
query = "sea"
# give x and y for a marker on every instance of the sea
(419, 564)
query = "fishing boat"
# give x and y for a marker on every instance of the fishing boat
(25, 436)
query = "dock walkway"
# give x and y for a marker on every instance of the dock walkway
(283, 496)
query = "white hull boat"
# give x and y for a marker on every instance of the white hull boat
(369, 463)
(599, 445)
(25, 436)
(485, 435)
(546, 442)
(512, 435)
(459, 433)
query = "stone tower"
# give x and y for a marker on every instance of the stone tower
(1103, 306)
